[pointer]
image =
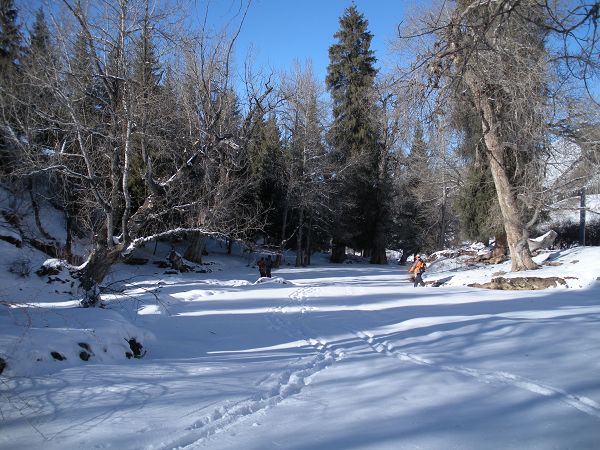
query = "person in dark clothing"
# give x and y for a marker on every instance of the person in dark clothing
(417, 270)
(261, 263)
(268, 266)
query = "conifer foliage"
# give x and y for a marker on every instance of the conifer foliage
(10, 36)
(356, 151)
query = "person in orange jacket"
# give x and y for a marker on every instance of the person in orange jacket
(417, 269)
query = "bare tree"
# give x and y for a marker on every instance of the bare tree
(307, 193)
(154, 158)
(496, 50)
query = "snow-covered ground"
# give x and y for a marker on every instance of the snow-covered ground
(325, 357)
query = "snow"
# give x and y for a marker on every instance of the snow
(541, 238)
(562, 160)
(321, 357)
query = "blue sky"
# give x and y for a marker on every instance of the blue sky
(280, 31)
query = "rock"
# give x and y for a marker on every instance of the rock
(58, 356)
(51, 267)
(176, 262)
(521, 284)
(2, 365)
(135, 261)
(542, 242)
(136, 349)
(85, 346)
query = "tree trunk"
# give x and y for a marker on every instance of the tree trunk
(95, 270)
(36, 210)
(299, 253)
(404, 257)
(338, 251)
(516, 233)
(284, 225)
(442, 243)
(378, 255)
(308, 241)
(500, 245)
(196, 248)
(125, 185)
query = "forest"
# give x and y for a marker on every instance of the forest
(138, 128)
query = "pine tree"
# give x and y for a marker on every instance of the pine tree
(146, 67)
(414, 216)
(267, 162)
(354, 139)
(476, 202)
(85, 90)
(10, 36)
(10, 54)
(40, 36)
(40, 70)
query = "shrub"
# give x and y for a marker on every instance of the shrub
(21, 267)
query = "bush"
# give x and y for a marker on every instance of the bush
(568, 233)
(21, 267)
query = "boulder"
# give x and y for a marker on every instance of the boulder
(521, 283)
(542, 242)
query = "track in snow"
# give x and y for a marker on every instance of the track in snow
(581, 403)
(290, 382)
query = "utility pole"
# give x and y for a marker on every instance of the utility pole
(582, 218)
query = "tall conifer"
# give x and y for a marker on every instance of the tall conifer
(355, 150)
(10, 36)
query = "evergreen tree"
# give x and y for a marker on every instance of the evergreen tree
(10, 36)
(147, 72)
(354, 138)
(85, 90)
(39, 43)
(168, 130)
(476, 202)
(414, 217)
(267, 167)
(40, 69)
(10, 53)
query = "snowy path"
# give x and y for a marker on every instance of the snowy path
(337, 358)
(293, 318)
(289, 382)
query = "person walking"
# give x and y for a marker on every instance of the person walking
(261, 263)
(417, 269)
